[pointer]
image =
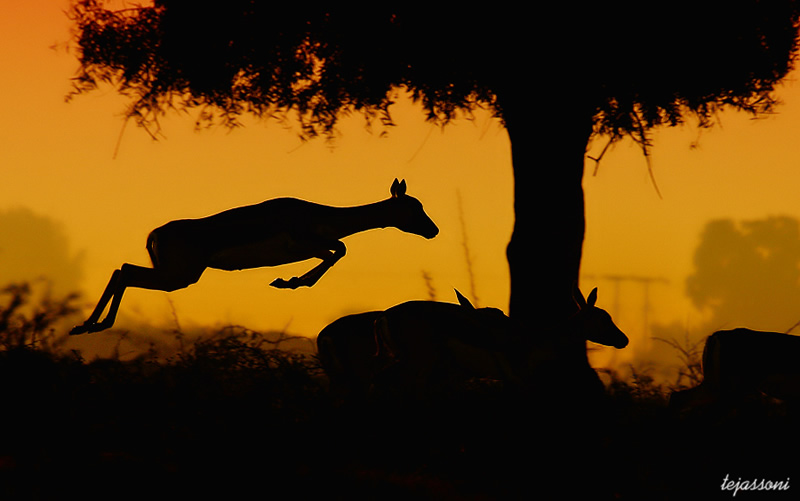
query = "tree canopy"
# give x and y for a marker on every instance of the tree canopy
(634, 66)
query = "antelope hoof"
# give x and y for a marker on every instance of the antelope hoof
(100, 326)
(292, 283)
(89, 327)
(80, 329)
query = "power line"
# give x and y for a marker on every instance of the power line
(645, 281)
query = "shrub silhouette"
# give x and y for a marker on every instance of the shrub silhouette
(25, 324)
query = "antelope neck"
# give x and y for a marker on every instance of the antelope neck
(363, 217)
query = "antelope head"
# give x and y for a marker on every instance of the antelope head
(595, 324)
(408, 212)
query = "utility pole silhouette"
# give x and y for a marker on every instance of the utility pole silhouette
(645, 281)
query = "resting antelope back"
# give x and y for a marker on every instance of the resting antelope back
(423, 338)
(434, 344)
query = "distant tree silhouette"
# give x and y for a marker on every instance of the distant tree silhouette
(32, 247)
(748, 274)
(556, 75)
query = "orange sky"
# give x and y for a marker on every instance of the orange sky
(58, 160)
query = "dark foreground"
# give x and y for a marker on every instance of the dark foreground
(232, 421)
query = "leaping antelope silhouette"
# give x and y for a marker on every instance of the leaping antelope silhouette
(272, 233)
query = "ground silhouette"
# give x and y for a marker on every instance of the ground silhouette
(230, 416)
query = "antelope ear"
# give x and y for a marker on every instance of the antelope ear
(592, 299)
(463, 301)
(577, 296)
(398, 188)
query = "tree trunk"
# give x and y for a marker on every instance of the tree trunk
(544, 254)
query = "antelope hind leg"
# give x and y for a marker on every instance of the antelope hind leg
(91, 324)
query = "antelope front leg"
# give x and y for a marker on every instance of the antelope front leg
(313, 275)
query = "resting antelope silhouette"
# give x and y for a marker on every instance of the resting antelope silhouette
(427, 345)
(743, 365)
(355, 349)
(272, 233)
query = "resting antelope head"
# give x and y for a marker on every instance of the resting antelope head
(595, 324)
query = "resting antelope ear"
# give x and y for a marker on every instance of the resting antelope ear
(577, 296)
(592, 299)
(463, 301)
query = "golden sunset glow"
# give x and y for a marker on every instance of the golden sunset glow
(108, 185)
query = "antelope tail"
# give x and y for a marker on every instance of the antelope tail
(152, 248)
